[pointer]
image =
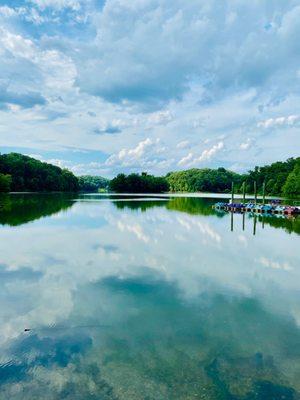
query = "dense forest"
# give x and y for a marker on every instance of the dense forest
(202, 180)
(88, 183)
(5, 183)
(135, 183)
(280, 178)
(20, 173)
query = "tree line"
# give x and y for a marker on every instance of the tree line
(139, 183)
(23, 173)
(280, 179)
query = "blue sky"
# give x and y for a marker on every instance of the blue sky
(150, 85)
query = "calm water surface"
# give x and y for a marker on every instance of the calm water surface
(157, 299)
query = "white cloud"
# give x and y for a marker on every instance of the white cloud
(7, 12)
(16, 44)
(290, 120)
(246, 145)
(50, 62)
(58, 4)
(183, 144)
(160, 117)
(186, 160)
(143, 154)
(206, 155)
(137, 67)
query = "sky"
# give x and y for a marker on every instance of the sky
(102, 87)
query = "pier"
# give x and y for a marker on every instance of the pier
(273, 207)
(258, 208)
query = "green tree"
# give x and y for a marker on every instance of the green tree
(5, 183)
(274, 175)
(88, 183)
(291, 188)
(135, 183)
(28, 174)
(203, 180)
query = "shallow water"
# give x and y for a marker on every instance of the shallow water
(146, 298)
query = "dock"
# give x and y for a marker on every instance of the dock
(258, 208)
(273, 207)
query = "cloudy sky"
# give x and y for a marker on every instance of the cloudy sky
(107, 86)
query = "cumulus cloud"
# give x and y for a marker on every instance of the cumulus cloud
(8, 12)
(147, 153)
(246, 145)
(57, 4)
(182, 34)
(183, 144)
(160, 117)
(28, 14)
(32, 69)
(206, 155)
(182, 71)
(290, 120)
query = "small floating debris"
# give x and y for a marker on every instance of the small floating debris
(64, 328)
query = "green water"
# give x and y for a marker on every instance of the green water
(146, 298)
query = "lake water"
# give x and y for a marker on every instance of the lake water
(146, 298)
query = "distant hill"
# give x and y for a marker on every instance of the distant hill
(22, 173)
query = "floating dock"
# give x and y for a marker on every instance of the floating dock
(258, 208)
(274, 207)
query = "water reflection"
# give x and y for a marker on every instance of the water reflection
(289, 224)
(140, 205)
(123, 301)
(22, 208)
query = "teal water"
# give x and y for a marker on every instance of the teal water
(146, 298)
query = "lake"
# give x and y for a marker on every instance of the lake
(153, 298)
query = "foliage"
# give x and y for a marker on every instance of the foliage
(281, 178)
(291, 188)
(5, 183)
(28, 174)
(135, 183)
(88, 183)
(23, 173)
(274, 176)
(202, 180)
